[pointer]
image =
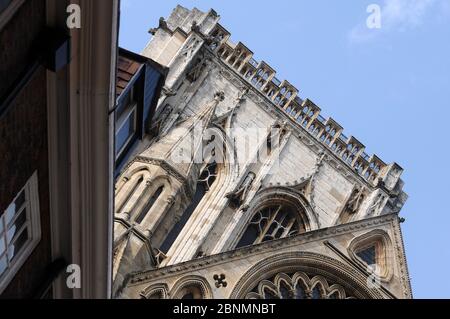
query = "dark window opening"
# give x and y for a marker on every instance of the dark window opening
(368, 255)
(207, 178)
(149, 205)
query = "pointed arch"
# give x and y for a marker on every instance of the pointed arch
(192, 284)
(308, 269)
(158, 291)
(183, 248)
(275, 212)
(130, 186)
(381, 243)
(156, 192)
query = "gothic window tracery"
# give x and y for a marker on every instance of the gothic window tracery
(297, 285)
(272, 222)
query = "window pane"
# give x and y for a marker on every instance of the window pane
(125, 132)
(249, 237)
(299, 292)
(316, 293)
(2, 245)
(3, 264)
(15, 248)
(15, 228)
(368, 255)
(14, 207)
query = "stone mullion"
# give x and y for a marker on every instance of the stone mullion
(269, 223)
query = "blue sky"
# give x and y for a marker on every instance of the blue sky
(389, 87)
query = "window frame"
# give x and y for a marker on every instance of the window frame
(32, 226)
(128, 111)
(383, 249)
(8, 13)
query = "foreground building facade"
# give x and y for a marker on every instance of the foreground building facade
(56, 155)
(245, 190)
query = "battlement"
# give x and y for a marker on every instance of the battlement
(285, 96)
(281, 93)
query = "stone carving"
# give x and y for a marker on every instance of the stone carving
(190, 48)
(159, 256)
(168, 91)
(238, 196)
(241, 96)
(195, 27)
(220, 280)
(162, 25)
(376, 207)
(355, 200)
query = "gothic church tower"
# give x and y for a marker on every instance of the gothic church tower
(246, 191)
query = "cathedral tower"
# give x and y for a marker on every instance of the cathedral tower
(245, 190)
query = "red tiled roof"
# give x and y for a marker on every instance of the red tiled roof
(126, 69)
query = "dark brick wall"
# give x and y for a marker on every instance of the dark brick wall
(17, 39)
(23, 137)
(23, 150)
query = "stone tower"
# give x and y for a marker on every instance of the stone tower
(246, 191)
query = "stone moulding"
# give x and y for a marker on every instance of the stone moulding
(229, 256)
(307, 262)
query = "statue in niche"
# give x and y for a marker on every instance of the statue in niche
(377, 204)
(353, 204)
(355, 200)
(238, 196)
(195, 27)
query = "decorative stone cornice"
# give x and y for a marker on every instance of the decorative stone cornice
(275, 245)
(293, 261)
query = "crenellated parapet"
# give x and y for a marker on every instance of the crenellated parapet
(285, 96)
(176, 32)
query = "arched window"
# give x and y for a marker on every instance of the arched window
(297, 285)
(373, 251)
(149, 205)
(190, 292)
(156, 295)
(205, 181)
(271, 223)
(129, 193)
